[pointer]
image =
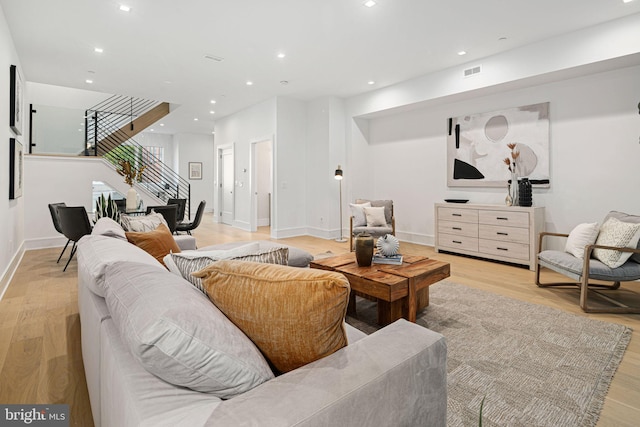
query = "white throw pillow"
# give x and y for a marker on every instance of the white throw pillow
(616, 233)
(581, 236)
(177, 334)
(357, 212)
(375, 217)
(142, 223)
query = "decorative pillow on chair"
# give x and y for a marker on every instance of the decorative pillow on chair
(357, 212)
(581, 236)
(620, 234)
(158, 243)
(142, 223)
(295, 316)
(375, 217)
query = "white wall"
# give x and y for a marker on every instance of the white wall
(11, 211)
(197, 148)
(594, 153)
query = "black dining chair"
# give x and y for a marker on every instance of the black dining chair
(74, 223)
(182, 206)
(53, 209)
(188, 226)
(169, 212)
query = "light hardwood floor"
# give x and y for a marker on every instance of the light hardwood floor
(40, 354)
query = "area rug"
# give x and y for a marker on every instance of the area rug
(532, 365)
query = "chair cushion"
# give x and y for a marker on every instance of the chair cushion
(374, 231)
(620, 234)
(178, 335)
(582, 235)
(634, 219)
(562, 262)
(157, 243)
(294, 316)
(375, 216)
(357, 212)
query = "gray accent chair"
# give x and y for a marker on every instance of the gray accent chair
(389, 228)
(583, 271)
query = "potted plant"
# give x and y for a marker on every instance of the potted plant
(107, 208)
(131, 174)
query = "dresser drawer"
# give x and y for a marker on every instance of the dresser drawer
(458, 228)
(504, 218)
(457, 242)
(458, 215)
(504, 234)
(512, 250)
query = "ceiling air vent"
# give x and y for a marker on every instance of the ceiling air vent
(473, 71)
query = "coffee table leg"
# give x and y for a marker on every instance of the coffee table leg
(412, 302)
(351, 308)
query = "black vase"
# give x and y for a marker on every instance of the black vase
(525, 195)
(364, 249)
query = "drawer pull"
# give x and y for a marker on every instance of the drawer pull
(501, 233)
(456, 214)
(502, 218)
(457, 241)
(502, 249)
(456, 228)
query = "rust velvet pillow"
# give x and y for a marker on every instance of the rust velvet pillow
(158, 242)
(294, 316)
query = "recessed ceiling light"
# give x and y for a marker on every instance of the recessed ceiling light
(371, 82)
(627, 1)
(161, 124)
(212, 112)
(249, 83)
(369, 3)
(150, 130)
(281, 55)
(98, 49)
(195, 119)
(462, 52)
(88, 81)
(125, 8)
(213, 101)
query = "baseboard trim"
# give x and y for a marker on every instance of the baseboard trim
(45, 243)
(7, 275)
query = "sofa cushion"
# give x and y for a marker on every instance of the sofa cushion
(633, 219)
(157, 243)
(620, 234)
(294, 316)
(178, 335)
(582, 235)
(297, 256)
(108, 227)
(96, 253)
(142, 223)
(185, 263)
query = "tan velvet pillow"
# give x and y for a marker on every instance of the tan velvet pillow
(294, 316)
(158, 242)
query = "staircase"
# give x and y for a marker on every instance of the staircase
(109, 130)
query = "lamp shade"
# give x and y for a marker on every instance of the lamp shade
(338, 174)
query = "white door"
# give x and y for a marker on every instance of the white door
(226, 176)
(261, 187)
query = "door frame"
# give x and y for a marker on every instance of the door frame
(220, 171)
(253, 186)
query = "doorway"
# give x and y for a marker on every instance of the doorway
(226, 185)
(261, 184)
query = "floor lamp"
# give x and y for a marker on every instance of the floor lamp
(338, 176)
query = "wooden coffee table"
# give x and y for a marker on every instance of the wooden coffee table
(400, 290)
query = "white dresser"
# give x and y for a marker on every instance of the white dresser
(504, 233)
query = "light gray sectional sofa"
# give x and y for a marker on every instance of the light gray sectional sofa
(394, 377)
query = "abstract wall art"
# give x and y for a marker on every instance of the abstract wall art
(477, 145)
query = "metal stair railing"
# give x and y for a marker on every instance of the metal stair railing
(104, 137)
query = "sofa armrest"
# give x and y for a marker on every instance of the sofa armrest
(396, 376)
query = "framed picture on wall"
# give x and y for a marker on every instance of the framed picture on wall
(15, 100)
(195, 170)
(15, 169)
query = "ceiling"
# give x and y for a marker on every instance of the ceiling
(158, 49)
